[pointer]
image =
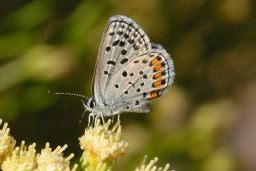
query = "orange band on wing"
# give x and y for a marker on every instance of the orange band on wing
(157, 65)
(157, 84)
(154, 62)
(153, 94)
(157, 76)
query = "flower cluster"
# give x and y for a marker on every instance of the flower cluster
(7, 143)
(50, 160)
(102, 145)
(25, 158)
(22, 158)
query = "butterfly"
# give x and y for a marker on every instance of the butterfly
(130, 71)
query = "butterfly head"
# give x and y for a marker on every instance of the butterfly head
(91, 103)
(93, 107)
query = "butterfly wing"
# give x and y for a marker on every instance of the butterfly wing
(122, 39)
(143, 78)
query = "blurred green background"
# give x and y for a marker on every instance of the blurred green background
(205, 123)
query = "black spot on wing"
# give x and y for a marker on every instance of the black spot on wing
(144, 61)
(115, 43)
(120, 32)
(163, 72)
(144, 94)
(108, 48)
(163, 82)
(135, 34)
(106, 73)
(123, 61)
(159, 58)
(163, 64)
(126, 36)
(131, 41)
(111, 62)
(136, 47)
(124, 74)
(121, 44)
(123, 52)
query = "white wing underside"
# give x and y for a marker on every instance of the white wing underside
(129, 70)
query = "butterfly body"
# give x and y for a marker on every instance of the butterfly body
(130, 70)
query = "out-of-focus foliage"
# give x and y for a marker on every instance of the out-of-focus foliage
(206, 121)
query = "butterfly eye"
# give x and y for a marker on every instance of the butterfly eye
(91, 103)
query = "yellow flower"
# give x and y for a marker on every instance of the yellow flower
(54, 160)
(102, 146)
(151, 166)
(7, 143)
(25, 159)
(22, 159)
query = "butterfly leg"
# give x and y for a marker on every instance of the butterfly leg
(89, 118)
(97, 116)
(102, 117)
(118, 118)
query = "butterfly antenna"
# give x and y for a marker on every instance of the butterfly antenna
(68, 94)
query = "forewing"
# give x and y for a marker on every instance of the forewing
(122, 39)
(143, 78)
